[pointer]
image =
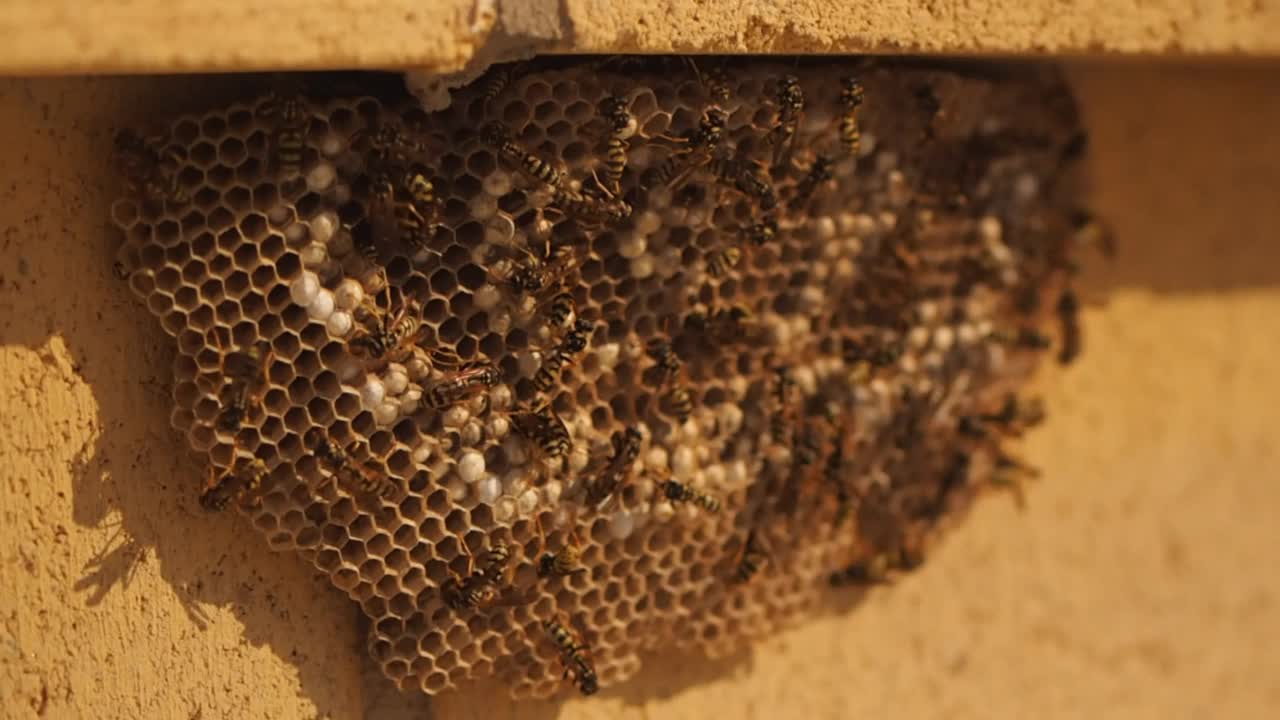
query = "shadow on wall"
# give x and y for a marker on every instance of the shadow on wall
(1187, 219)
(57, 285)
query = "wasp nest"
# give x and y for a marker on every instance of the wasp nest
(608, 356)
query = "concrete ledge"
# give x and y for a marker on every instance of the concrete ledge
(110, 36)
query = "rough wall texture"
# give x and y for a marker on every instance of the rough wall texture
(58, 36)
(1130, 587)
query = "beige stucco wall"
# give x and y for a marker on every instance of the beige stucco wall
(60, 36)
(1138, 584)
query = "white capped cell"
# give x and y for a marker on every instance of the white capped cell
(642, 267)
(303, 290)
(682, 462)
(314, 254)
(483, 206)
(505, 510)
(411, 400)
(488, 489)
(632, 245)
(486, 297)
(647, 222)
(471, 466)
(322, 227)
(497, 183)
(422, 453)
(281, 214)
(321, 177)
(386, 413)
(332, 144)
(341, 244)
(348, 294)
(396, 378)
(372, 392)
(456, 416)
(498, 426)
(322, 306)
(944, 337)
(417, 368)
(621, 525)
(527, 502)
(729, 416)
(340, 323)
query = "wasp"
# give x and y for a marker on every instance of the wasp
(545, 429)
(574, 342)
(724, 326)
(561, 308)
(614, 110)
(1026, 338)
(497, 81)
(714, 81)
(851, 99)
(741, 177)
(477, 588)
(806, 447)
(462, 384)
(781, 418)
(413, 204)
(445, 360)
(388, 147)
(808, 444)
(338, 460)
(665, 360)
(574, 655)
(877, 568)
(790, 102)
(1016, 415)
(722, 261)
(752, 559)
(1089, 230)
(819, 172)
(289, 136)
(760, 233)
(1068, 310)
(220, 489)
(626, 448)
(866, 357)
(678, 492)
(678, 402)
(699, 146)
(244, 382)
(717, 84)
(931, 106)
(1011, 473)
(152, 170)
(495, 562)
(565, 562)
(955, 475)
(497, 136)
(385, 336)
(536, 277)
(833, 472)
(589, 206)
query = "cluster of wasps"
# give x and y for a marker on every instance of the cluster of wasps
(400, 192)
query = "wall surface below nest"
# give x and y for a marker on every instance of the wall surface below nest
(1130, 587)
(61, 36)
